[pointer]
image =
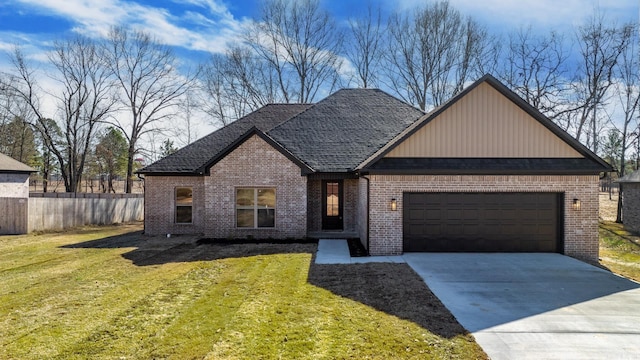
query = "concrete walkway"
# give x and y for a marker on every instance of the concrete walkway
(336, 251)
(532, 306)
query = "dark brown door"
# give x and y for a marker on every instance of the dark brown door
(332, 205)
(483, 222)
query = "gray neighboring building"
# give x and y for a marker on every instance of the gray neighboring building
(631, 201)
(14, 195)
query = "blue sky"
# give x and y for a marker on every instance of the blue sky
(198, 27)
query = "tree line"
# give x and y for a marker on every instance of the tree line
(297, 52)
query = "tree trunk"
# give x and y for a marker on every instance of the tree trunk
(130, 155)
(619, 218)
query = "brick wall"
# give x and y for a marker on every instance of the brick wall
(255, 163)
(580, 227)
(159, 205)
(350, 204)
(631, 206)
(314, 205)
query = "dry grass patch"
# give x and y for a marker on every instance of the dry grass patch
(111, 293)
(620, 250)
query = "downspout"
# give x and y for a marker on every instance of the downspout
(368, 208)
(144, 190)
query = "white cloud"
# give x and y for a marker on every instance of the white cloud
(210, 31)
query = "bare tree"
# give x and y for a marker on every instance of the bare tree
(627, 89)
(235, 84)
(536, 69)
(299, 41)
(600, 47)
(151, 86)
(85, 100)
(365, 47)
(432, 52)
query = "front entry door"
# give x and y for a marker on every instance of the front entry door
(332, 205)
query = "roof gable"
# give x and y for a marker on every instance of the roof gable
(484, 124)
(193, 158)
(465, 128)
(266, 138)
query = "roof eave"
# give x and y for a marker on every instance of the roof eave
(478, 172)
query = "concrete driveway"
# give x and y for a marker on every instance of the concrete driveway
(536, 306)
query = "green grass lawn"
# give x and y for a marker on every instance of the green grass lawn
(620, 250)
(111, 293)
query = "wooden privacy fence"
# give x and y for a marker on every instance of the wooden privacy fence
(57, 211)
(14, 215)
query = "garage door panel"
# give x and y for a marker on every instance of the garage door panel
(489, 222)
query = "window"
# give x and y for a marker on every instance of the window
(184, 205)
(255, 207)
(333, 202)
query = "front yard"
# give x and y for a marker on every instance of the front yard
(109, 292)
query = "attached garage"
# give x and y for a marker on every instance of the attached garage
(482, 222)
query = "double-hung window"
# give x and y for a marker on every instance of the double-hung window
(255, 207)
(184, 205)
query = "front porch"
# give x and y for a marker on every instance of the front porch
(333, 234)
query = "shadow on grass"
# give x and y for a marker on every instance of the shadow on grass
(614, 229)
(158, 250)
(394, 289)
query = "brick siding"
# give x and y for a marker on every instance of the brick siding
(631, 206)
(255, 163)
(580, 226)
(159, 205)
(314, 205)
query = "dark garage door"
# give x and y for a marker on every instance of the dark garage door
(489, 222)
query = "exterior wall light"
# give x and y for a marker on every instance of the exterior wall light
(576, 204)
(394, 205)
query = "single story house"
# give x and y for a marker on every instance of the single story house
(483, 172)
(14, 195)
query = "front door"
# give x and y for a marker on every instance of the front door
(332, 205)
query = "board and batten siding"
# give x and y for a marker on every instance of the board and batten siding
(484, 124)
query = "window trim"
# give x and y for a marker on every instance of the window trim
(255, 207)
(176, 205)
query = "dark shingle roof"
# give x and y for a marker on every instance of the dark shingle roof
(192, 158)
(341, 131)
(10, 165)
